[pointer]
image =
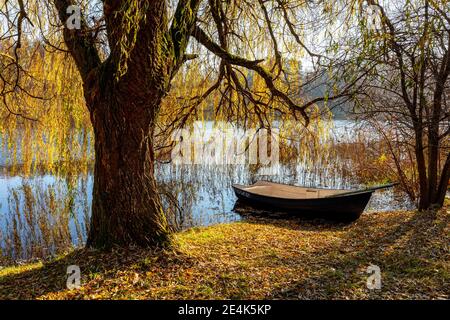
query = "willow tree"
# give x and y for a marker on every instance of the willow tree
(127, 52)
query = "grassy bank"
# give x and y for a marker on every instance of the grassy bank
(260, 259)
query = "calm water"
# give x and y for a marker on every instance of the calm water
(44, 213)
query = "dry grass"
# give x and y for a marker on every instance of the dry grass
(257, 259)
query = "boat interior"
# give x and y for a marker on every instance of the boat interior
(270, 189)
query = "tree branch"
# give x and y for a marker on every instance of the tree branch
(180, 31)
(79, 42)
(204, 39)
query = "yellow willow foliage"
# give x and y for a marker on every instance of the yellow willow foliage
(60, 141)
(61, 130)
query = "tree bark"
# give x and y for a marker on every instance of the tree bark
(126, 206)
(443, 184)
(424, 199)
(433, 151)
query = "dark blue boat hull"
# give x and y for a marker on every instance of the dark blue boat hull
(339, 208)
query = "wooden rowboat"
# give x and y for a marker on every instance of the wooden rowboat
(334, 204)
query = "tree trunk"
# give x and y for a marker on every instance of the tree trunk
(424, 199)
(123, 94)
(433, 160)
(443, 184)
(126, 206)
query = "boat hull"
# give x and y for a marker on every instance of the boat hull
(342, 208)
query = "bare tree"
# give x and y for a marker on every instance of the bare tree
(408, 53)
